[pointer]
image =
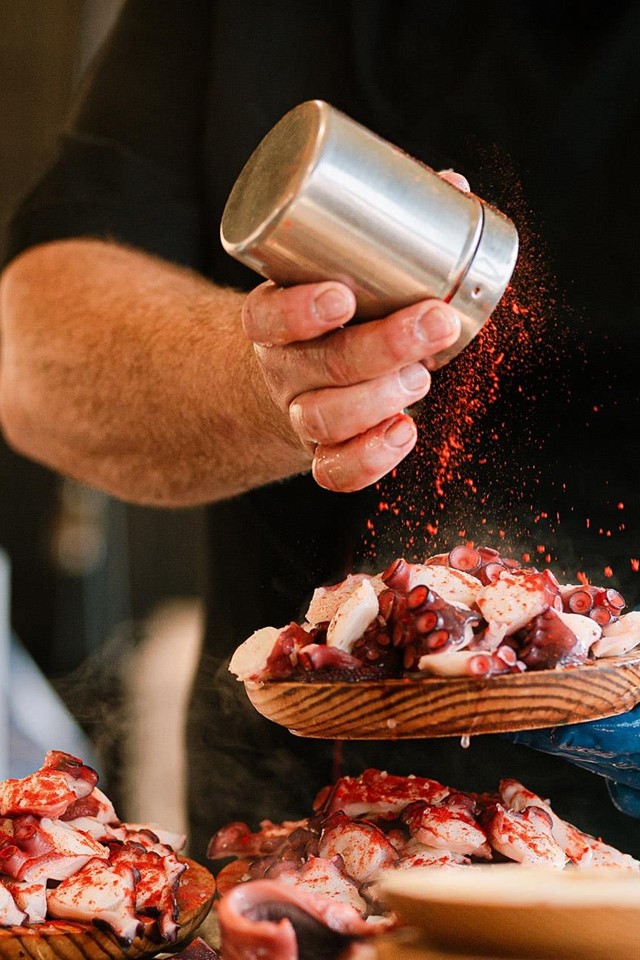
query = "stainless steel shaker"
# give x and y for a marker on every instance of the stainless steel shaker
(322, 197)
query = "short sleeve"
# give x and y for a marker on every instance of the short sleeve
(128, 164)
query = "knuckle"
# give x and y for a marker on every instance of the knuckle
(308, 419)
(268, 315)
(271, 371)
(349, 467)
(252, 323)
(400, 342)
(324, 472)
(336, 362)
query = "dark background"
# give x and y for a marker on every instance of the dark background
(80, 560)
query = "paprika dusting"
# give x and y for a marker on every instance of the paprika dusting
(473, 472)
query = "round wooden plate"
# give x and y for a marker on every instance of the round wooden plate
(65, 940)
(451, 707)
(509, 910)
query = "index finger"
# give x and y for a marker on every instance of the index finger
(279, 315)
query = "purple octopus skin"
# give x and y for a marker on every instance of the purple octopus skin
(265, 918)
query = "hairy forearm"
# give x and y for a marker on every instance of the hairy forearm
(134, 375)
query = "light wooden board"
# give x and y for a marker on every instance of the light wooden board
(62, 940)
(399, 947)
(508, 910)
(451, 707)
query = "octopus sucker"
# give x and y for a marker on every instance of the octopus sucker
(470, 612)
(310, 880)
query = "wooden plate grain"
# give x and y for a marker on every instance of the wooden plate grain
(451, 707)
(65, 940)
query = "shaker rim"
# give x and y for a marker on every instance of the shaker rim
(258, 203)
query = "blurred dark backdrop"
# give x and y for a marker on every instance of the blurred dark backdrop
(82, 563)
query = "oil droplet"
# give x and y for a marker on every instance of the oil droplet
(465, 741)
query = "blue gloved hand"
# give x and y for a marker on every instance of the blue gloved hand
(609, 747)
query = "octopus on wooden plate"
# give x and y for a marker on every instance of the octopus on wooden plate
(319, 878)
(470, 612)
(66, 857)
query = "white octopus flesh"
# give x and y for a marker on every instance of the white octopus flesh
(65, 854)
(290, 880)
(471, 612)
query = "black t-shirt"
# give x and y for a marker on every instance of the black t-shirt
(537, 103)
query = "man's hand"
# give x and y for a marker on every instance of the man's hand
(609, 747)
(345, 388)
(134, 375)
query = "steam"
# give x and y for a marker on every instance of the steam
(95, 694)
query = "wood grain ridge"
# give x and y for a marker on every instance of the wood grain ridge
(451, 707)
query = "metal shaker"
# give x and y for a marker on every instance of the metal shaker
(323, 198)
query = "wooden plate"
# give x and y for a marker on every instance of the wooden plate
(65, 940)
(451, 707)
(409, 945)
(507, 910)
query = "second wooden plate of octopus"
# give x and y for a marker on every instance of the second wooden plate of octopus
(71, 940)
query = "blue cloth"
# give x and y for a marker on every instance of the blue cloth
(609, 747)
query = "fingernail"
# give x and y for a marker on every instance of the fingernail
(400, 433)
(438, 324)
(332, 304)
(415, 378)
